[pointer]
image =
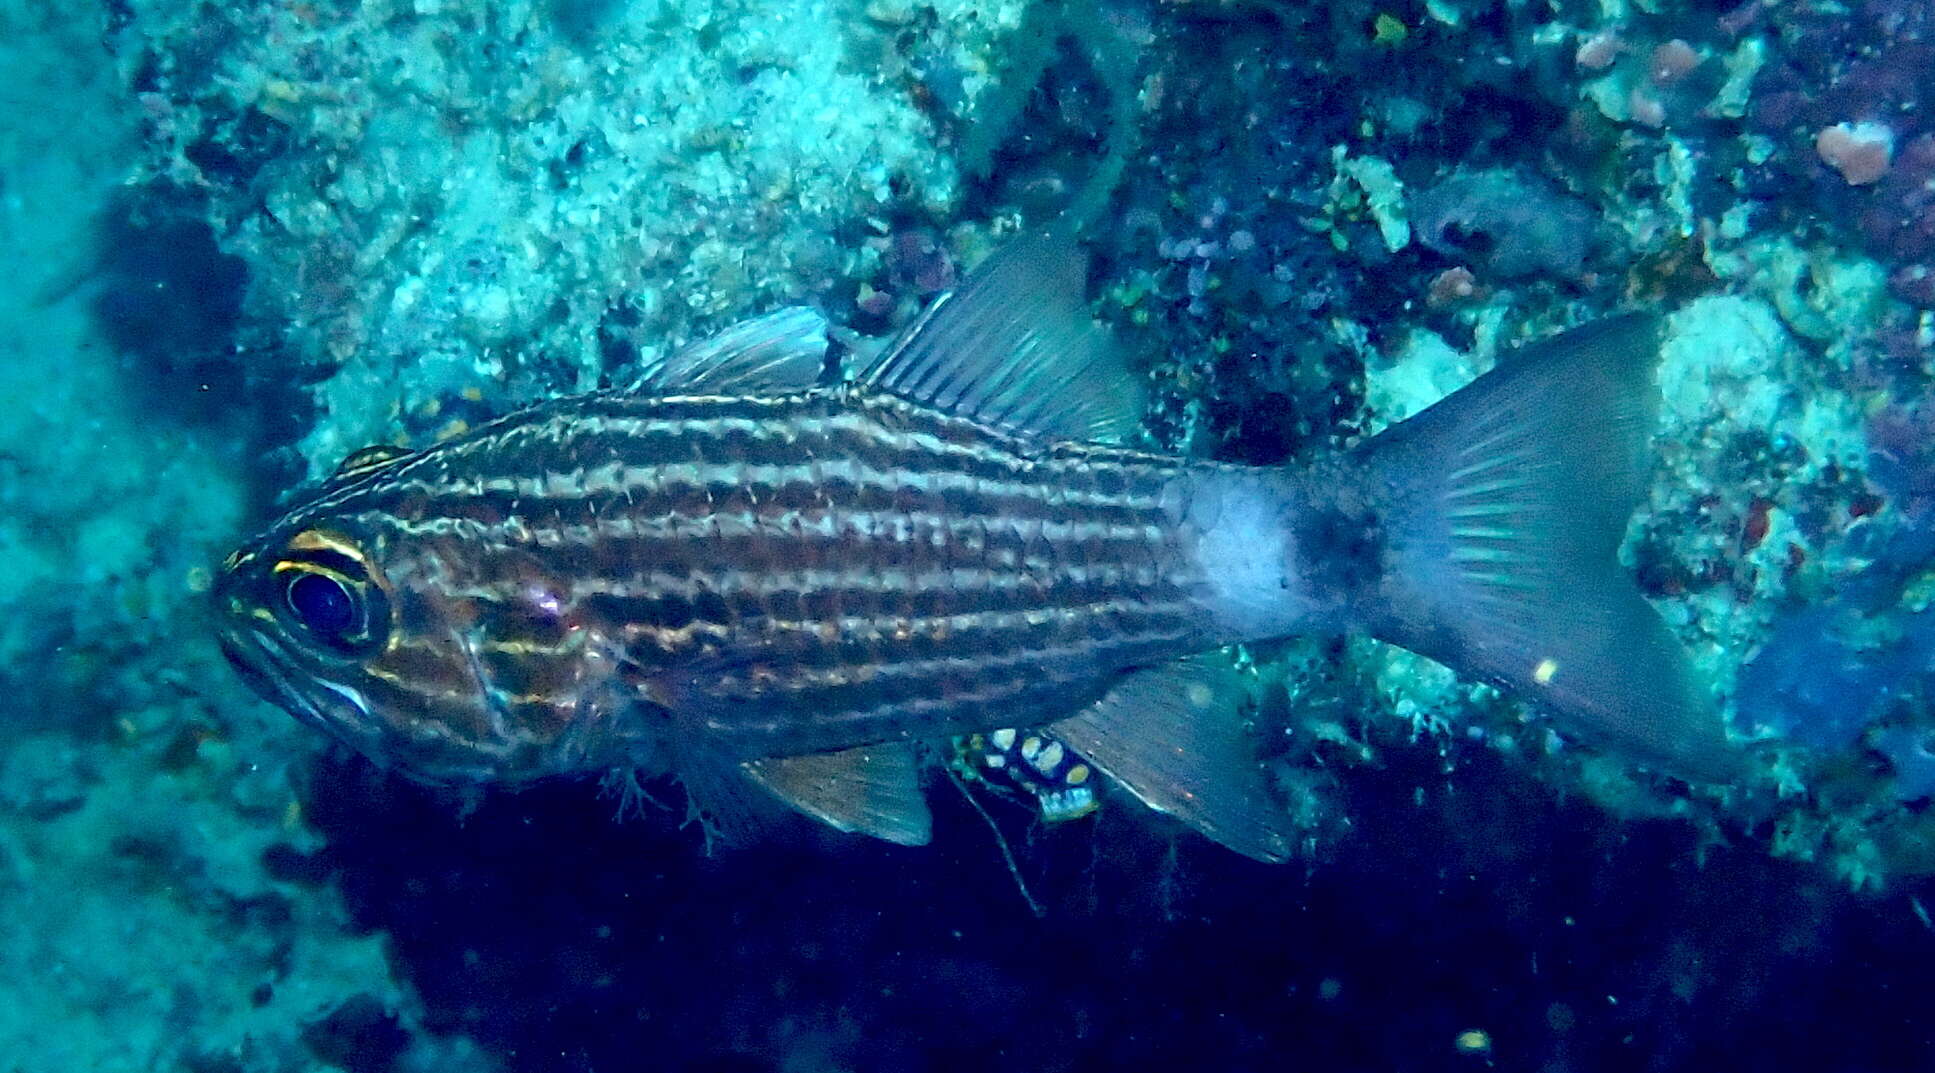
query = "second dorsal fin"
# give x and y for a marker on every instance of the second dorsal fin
(1014, 347)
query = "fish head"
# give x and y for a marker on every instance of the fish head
(386, 635)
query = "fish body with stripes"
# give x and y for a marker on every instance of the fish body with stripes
(775, 581)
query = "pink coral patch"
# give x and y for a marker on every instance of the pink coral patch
(1861, 152)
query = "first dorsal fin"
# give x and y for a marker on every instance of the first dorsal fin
(365, 459)
(1014, 347)
(781, 351)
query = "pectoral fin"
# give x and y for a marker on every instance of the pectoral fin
(874, 790)
(1174, 737)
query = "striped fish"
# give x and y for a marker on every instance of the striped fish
(769, 579)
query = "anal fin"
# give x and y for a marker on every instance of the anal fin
(873, 790)
(1173, 736)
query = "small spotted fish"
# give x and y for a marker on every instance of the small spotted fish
(1060, 783)
(774, 581)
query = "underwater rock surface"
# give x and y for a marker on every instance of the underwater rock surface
(245, 240)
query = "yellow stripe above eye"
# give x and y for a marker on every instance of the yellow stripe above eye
(298, 566)
(326, 540)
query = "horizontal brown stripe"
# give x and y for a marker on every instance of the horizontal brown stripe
(847, 567)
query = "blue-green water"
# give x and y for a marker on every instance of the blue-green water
(245, 241)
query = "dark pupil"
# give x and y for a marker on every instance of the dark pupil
(323, 604)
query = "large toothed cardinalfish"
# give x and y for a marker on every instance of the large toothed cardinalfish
(773, 580)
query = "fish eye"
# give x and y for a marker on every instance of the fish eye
(327, 593)
(323, 604)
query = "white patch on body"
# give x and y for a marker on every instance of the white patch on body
(1242, 548)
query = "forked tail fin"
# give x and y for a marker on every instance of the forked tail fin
(1503, 507)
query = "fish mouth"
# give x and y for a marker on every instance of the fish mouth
(263, 662)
